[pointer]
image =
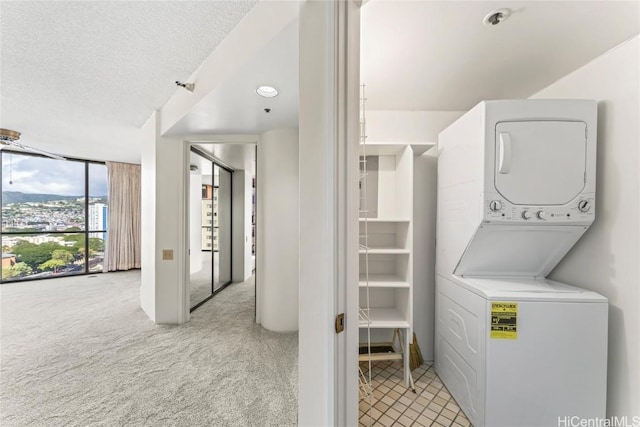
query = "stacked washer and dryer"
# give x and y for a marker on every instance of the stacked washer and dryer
(516, 190)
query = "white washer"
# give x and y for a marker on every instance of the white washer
(551, 364)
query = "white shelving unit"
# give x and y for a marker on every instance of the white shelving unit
(386, 253)
(207, 225)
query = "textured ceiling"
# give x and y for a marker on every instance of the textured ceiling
(96, 70)
(438, 55)
(80, 77)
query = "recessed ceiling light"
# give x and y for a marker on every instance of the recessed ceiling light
(267, 91)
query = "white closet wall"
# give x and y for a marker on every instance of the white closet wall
(425, 170)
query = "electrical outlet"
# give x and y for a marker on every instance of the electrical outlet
(167, 254)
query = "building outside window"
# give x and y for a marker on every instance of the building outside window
(54, 216)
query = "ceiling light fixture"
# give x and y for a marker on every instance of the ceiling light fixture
(267, 91)
(7, 135)
(496, 17)
(11, 137)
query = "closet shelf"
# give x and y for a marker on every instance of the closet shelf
(384, 251)
(383, 281)
(380, 148)
(385, 220)
(380, 357)
(385, 318)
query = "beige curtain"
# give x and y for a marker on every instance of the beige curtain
(123, 230)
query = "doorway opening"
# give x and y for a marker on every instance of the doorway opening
(222, 218)
(210, 227)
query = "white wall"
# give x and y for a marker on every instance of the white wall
(195, 222)
(225, 213)
(407, 126)
(148, 196)
(606, 259)
(278, 238)
(164, 193)
(242, 263)
(425, 174)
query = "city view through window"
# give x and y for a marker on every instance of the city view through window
(54, 216)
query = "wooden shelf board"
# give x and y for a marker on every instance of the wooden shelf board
(380, 356)
(374, 357)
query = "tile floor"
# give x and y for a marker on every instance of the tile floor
(393, 404)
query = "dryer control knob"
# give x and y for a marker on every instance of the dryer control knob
(495, 205)
(541, 215)
(526, 215)
(584, 205)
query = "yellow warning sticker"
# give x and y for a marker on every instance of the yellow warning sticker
(504, 320)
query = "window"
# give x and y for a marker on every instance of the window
(54, 216)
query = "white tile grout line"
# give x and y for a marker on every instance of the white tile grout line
(391, 378)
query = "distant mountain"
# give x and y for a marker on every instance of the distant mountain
(18, 197)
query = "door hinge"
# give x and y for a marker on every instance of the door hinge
(339, 323)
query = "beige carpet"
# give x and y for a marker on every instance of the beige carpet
(80, 352)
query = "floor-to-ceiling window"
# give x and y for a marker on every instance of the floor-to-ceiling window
(54, 216)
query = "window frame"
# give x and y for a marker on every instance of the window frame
(86, 230)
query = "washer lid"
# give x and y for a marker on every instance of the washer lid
(540, 162)
(528, 289)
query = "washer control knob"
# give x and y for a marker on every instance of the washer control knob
(584, 205)
(541, 215)
(526, 215)
(495, 205)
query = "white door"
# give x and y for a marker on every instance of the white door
(540, 162)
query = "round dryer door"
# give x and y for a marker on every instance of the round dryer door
(540, 162)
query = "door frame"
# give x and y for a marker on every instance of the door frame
(188, 143)
(329, 137)
(214, 162)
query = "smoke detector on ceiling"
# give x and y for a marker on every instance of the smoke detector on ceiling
(496, 17)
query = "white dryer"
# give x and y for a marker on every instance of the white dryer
(516, 190)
